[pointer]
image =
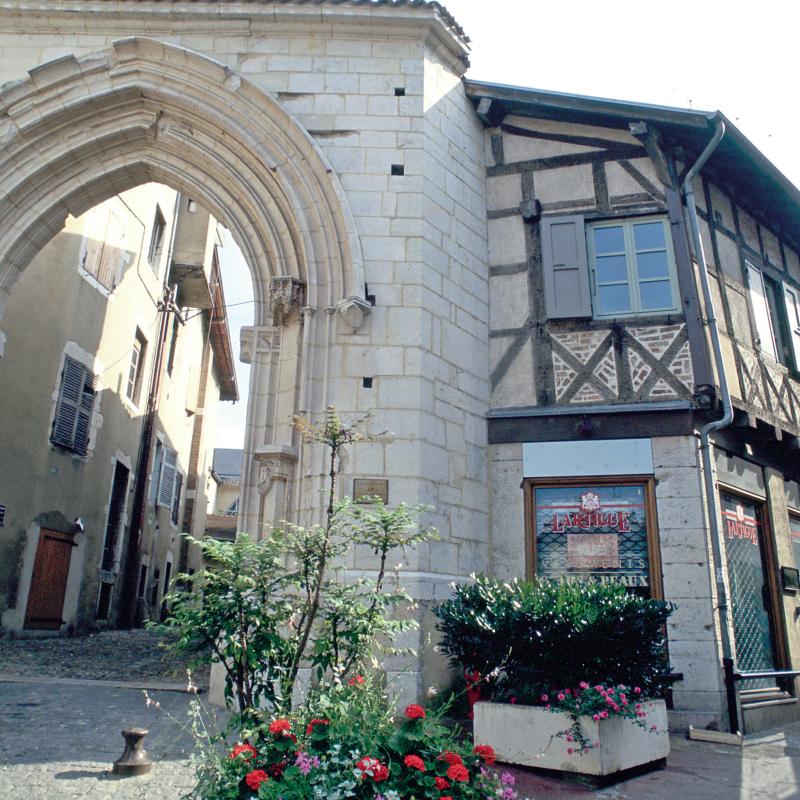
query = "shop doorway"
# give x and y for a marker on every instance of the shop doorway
(752, 614)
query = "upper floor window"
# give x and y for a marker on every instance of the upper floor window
(72, 420)
(104, 246)
(632, 267)
(136, 368)
(776, 312)
(157, 239)
(608, 269)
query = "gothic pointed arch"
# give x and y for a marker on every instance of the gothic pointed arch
(79, 130)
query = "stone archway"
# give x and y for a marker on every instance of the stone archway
(81, 130)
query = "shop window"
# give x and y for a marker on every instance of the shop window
(608, 269)
(73, 415)
(595, 530)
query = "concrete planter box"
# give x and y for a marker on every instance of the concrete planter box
(526, 735)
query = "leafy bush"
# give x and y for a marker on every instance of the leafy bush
(265, 609)
(531, 638)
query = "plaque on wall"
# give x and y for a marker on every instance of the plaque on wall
(366, 490)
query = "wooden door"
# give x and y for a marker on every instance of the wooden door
(49, 581)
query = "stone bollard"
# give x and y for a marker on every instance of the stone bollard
(134, 760)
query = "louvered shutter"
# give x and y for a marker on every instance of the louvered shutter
(566, 267)
(112, 249)
(167, 483)
(792, 299)
(95, 239)
(74, 409)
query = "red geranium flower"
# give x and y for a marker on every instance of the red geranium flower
(357, 679)
(441, 783)
(372, 768)
(247, 749)
(445, 797)
(458, 773)
(453, 759)
(414, 762)
(314, 722)
(485, 752)
(255, 778)
(415, 712)
(280, 726)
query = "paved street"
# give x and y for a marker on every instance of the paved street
(60, 736)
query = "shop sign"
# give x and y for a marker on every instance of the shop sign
(740, 526)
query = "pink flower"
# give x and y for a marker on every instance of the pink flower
(597, 744)
(638, 705)
(584, 685)
(513, 700)
(544, 697)
(568, 738)
(560, 696)
(654, 728)
(596, 717)
(548, 705)
(569, 750)
(637, 690)
(567, 691)
(598, 688)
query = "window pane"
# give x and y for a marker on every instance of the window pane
(652, 265)
(611, 269)
(655, 295)
(614, 299)
(609, 240)
(649, 236)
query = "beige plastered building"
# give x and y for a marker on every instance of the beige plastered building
(510, 280)
(78, 393)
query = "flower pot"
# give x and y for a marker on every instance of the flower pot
(528, 736)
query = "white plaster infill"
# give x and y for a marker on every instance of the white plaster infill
(583, 459)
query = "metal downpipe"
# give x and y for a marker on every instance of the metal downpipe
(724, 421)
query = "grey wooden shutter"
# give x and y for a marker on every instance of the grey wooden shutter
(566, 267)
(74, 408)
(167, 483)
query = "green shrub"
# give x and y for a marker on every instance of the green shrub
(530, 638)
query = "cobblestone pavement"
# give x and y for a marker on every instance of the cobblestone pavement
(135, 655)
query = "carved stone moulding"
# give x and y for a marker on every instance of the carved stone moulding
(354, 310)
(286, 294)
(276, 462)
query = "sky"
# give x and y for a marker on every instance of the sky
(711, 56)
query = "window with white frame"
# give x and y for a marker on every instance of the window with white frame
(157, 237)
(776, 312)
(73, 415)
(632, 267)
(136, 368)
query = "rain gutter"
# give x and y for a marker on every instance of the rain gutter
(724, 421)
